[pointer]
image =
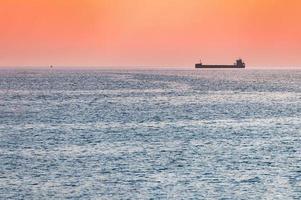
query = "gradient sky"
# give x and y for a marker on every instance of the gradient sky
(266, 33)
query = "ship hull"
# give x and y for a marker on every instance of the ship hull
(200, 66)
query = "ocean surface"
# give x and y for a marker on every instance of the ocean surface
(150, 134)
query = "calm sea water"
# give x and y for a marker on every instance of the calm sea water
(150, 134)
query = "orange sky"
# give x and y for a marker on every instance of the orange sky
(266, 33)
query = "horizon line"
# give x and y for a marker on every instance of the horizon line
(126, 67)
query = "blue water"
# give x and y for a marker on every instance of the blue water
(233, 134)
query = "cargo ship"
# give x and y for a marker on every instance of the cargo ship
(239, 64)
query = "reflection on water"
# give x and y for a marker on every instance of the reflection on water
(150, 134)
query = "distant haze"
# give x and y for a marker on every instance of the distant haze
(149, 32)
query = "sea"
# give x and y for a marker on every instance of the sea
(150, 134)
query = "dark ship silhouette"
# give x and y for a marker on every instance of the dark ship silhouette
(239, 64)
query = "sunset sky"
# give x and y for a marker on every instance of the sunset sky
(265, 33)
